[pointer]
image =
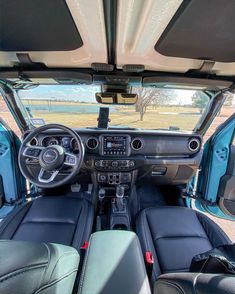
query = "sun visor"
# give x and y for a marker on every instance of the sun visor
(201, 30)
(37, 25)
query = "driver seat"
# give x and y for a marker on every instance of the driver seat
(62, 220)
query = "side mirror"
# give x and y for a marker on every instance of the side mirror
(116, 98)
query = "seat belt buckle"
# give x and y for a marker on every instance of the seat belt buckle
(149, 261)
(149, 258)
(85, 245)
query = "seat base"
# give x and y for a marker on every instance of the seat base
(62, 220)
(175, 235)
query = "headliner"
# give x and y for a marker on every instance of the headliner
(139, 26)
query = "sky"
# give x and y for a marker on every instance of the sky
(61, 92)
(86, 93)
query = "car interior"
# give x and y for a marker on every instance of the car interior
(113, 181)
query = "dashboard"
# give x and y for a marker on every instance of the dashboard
(115, 156)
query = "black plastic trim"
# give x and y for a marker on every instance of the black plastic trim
(8, 96)
(110, 16)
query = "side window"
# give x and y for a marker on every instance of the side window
(226, 111)
(8, 118)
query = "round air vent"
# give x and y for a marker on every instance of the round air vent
(92, 143)
(137, 144)
(194, 144)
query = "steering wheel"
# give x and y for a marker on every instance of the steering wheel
(51, 159)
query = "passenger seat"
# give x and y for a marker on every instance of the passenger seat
(174, 235)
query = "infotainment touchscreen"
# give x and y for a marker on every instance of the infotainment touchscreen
(114, 145)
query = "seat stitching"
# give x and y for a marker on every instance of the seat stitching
(21, 271)
(182, 237)
(171, 283)
(71, 253)
(54, 282)
(203, 220)
(48, 258)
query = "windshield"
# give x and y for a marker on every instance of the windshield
(76, 106)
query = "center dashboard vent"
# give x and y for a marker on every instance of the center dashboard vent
(137, 144)
(92, 143)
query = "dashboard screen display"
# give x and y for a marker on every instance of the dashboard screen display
(114, 145)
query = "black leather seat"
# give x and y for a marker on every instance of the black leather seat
(175, 235)
(195, 283)
(28, 267)
(62, 220)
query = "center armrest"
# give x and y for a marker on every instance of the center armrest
(114, 264)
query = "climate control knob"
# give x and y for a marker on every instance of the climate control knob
(98, 163)
(131, 163)
(114, 163)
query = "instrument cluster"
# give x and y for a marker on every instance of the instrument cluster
(67, 142)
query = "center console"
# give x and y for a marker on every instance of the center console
(114, 260)
(118, 169)
(115, 173)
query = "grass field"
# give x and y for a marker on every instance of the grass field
(159, 118)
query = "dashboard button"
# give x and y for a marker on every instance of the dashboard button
(102, 178)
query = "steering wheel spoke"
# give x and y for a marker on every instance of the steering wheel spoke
(70, 159)
(41, 178)
(32, 151)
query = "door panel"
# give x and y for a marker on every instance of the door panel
(12, 184)
(216, 182)
(227, 186)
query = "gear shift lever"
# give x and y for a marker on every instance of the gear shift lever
(120, 190)
(101, 195)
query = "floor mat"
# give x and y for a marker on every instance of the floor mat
(150, 195)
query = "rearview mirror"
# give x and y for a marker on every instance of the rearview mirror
(116, 98)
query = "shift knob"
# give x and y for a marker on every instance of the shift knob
(101, 193)
(120, 190)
